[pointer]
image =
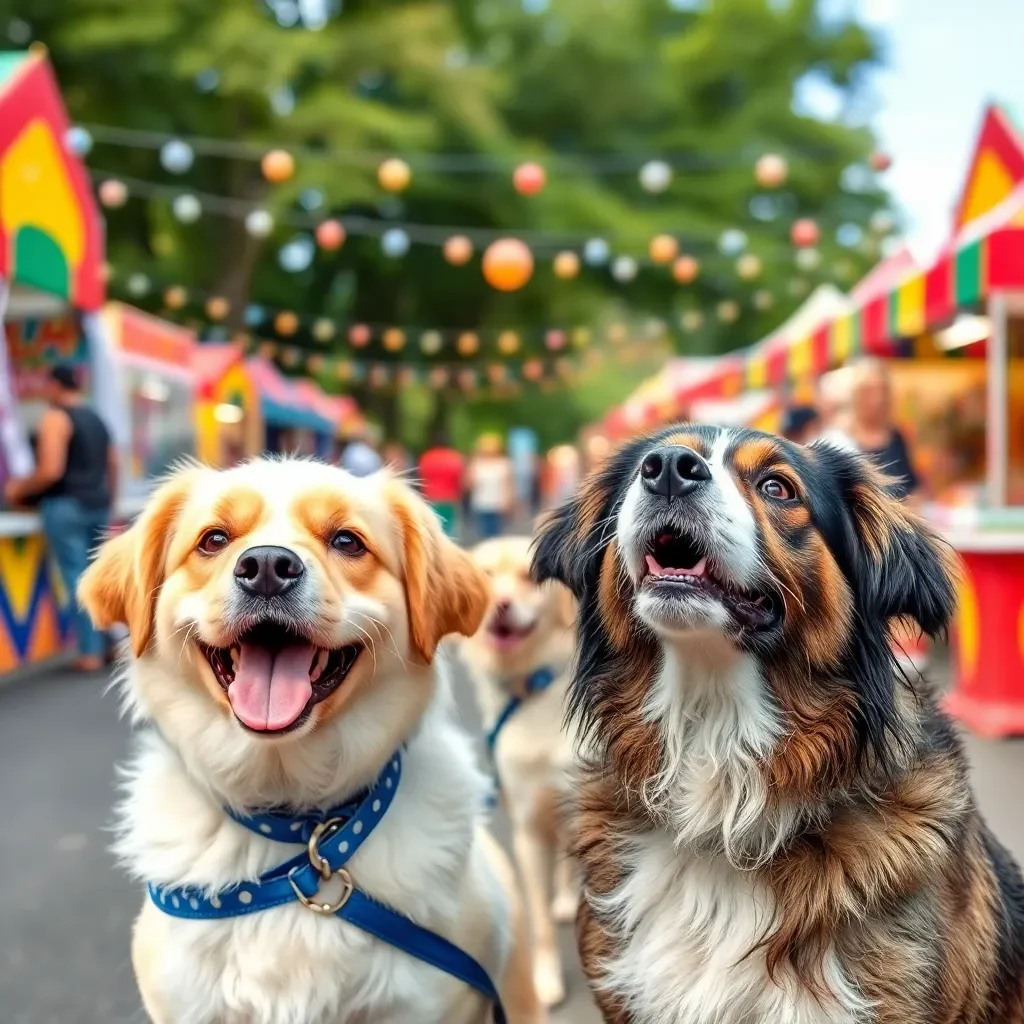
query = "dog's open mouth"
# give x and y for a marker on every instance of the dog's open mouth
(274, 676)
(505, 633)
(675, 560)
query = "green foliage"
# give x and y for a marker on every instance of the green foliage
(589, 87)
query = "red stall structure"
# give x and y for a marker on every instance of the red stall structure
(953, 333)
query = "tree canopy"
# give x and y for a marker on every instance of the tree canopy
(464, 91)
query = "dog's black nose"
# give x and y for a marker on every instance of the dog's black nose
(268, 571)
(673, 470)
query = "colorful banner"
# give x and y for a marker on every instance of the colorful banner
(36, 345)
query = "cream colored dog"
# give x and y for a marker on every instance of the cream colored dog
(285, 618)
(520, 661)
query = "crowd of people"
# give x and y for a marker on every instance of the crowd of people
(477, 496)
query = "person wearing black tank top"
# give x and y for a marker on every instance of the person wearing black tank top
(73, 487)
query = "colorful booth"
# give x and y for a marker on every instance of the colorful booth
(293, 421)
(51, 287)
(229, 426)
(154, 364)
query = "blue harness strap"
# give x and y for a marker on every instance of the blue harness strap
(535, 683)
(331, 839)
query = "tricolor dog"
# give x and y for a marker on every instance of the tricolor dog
(777, 827)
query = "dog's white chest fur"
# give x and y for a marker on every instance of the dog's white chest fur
(287, 965)
(689, 919)
(692, 922)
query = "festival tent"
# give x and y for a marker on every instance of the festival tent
(51, 239)
(896, 308)
(228, 422)
(282, 403)
(51, 235)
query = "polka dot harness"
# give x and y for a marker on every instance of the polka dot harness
(331, 839)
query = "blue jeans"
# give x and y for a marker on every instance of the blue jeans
(73, 531)
(488, 525)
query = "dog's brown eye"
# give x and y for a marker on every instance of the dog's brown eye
(213, 541)
(347, 543)
(778, 488)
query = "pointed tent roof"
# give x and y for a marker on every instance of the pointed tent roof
(51, 234)
(996, 168)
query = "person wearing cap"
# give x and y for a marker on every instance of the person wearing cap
(490, 485)
(73, 487)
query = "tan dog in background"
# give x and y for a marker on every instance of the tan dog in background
(285, 619)
(520, 661)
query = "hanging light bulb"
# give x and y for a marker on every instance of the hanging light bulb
(507, 264)
(277, 166)
(394, 175)
(624, 269)
(259, 223)
(431, 342)
(596, 252)
(395, 243)
(655, 176)
(176, 156)
(566, 265)
(186, 208)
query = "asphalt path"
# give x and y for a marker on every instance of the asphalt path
(66, 910)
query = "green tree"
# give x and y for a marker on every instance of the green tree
(590, 88)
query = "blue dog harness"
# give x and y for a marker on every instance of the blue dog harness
(331, 839)
(535, 683)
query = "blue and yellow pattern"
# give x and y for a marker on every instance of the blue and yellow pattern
(35, 610)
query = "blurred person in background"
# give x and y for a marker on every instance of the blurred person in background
(564, 460)
(872, 431)
(490, 486)
(801, 424)
(834, 395)
(442, 471)
(73, 486)
(397, 457)
(360, 458)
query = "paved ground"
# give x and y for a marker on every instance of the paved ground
(65, 912)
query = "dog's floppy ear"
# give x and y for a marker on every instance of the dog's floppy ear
(445, 590)
(565, 604)
(564, 543)
(901, 568)
(122, 584)
(570, 540)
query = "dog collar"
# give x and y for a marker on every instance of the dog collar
(536, 682)
(331, 839)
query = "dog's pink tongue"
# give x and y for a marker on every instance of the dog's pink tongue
(271, 690)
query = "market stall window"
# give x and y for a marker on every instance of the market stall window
(162, 424)
(940, 407)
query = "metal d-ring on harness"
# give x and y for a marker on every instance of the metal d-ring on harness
(331, 839)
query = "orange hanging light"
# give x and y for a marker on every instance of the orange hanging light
(507, 264)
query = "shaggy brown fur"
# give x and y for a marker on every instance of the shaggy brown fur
(886, 862)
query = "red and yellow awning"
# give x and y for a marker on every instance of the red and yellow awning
(51, 236)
